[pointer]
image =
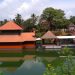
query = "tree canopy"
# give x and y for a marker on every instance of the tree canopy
(50, 19)
(72, 19)
(55, 18)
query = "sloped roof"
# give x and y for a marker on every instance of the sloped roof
(26, 36)
(48, 35)
(10, 26)
(71, 24)
(10, 38)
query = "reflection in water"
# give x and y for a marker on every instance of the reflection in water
(11, 69)
(29, 67)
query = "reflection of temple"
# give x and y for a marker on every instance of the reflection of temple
(12, 39)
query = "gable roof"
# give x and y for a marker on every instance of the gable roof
(26, 36)
(10, 26)
(71, 25)
(10, 38)
(48, 35)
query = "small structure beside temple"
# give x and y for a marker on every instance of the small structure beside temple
(49, 40)
(71, 27)
(12, 39)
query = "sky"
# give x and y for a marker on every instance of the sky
(9, 8)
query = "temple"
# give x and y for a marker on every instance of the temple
(12, 39)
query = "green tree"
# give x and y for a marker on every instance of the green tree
(3, 22)
(34, 19)
(52, 15)
(1, 73)
(18, 19)
(72, 19)
(30, 23)
(61, 23)
(50, 70)
(66, 68)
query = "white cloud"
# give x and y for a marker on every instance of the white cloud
(64, 6)
(23, 7)
(9, 8)
(5, 3)
(68, 14)
(26, 9)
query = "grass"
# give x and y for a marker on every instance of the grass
(42, 53)
(11, 64)
(47, 54)
(39, 34)
(56, 62)
(11, 54)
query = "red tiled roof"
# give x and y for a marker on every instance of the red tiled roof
(18, 38)
(10, 38)
(28, 36)
(10, 26)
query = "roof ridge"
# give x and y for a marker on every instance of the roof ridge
(10, 25)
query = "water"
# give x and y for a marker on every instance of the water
(29, 67)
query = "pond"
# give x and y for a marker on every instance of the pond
(29, 67)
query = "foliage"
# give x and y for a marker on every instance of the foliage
(1, 73)
(11, 54)
(3, 22)
(53, 16)
(66, 68)
(30, 24)
(61, 23)
(54, 19)
(53, 13)
(66, 51)
(72, 19)
(11, 64)
(50, 70)
(18, 19)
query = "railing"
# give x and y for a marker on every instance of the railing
(52, 46)
(58, 47)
